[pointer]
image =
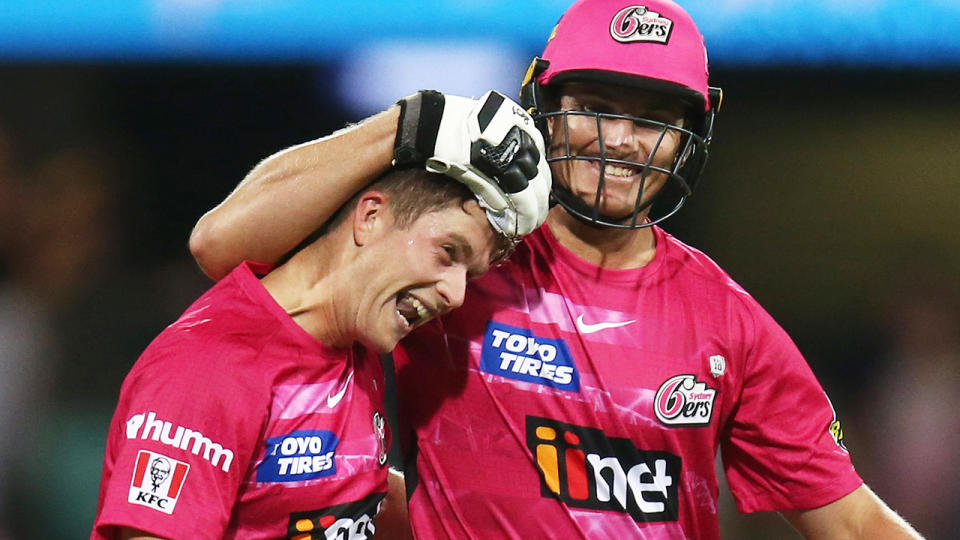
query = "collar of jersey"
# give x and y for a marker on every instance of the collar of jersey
(566, 257)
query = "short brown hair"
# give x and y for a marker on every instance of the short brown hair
(411, 192)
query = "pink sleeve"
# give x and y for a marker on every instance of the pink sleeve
(778, 451)
(179, 445)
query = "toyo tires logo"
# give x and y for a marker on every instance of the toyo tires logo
(519, 354)
(298, 456)
(684, 401)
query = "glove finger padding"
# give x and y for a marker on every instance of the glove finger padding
(491, 145)
(512, 162)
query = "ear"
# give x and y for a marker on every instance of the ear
(370, 216)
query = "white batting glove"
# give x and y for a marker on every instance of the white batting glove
(490, 144)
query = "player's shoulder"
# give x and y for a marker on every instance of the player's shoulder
(220, 336)
(183, 360)
(237, 310)
(687, 260)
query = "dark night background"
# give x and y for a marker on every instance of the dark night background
(831, 195)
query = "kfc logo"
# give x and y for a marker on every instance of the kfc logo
(157, 481)
(159, 470)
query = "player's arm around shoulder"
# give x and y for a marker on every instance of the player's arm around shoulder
(289, 194)
(858, 515)
(490, 144)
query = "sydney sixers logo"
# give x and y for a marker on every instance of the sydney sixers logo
(637, 23)
(684, 401)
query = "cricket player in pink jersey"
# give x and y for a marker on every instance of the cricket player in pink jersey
(259, 413)
(592, 379)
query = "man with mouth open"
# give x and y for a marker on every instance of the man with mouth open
(259, 413)
(592, 379)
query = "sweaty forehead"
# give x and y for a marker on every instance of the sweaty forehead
(482, 240)
(466, 225)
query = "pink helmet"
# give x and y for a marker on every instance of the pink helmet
(632, 43)
(648, 44)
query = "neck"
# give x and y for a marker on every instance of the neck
(606, 247)
(306, 288)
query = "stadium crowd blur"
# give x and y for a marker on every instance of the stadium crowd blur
(831, 195)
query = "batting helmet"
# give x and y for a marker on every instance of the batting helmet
(647, 44)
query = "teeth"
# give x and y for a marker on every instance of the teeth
(613, 170)
(411, 309)
(422, 311)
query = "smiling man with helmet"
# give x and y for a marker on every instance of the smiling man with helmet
(586, 388)
(640, 50)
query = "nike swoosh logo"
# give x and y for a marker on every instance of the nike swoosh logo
(591, 328)
(335, 398)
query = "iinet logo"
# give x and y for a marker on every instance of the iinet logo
(349, 521)
(147, 426)
(584, 468)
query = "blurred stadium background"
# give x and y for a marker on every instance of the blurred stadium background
(832, 195)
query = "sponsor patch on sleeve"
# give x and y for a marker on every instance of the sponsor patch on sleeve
(519, 354)
(157, 481)
(834, 428)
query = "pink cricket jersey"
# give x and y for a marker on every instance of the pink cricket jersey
(571, 401)
(236, 423)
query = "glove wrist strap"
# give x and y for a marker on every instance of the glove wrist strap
(417, 128)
